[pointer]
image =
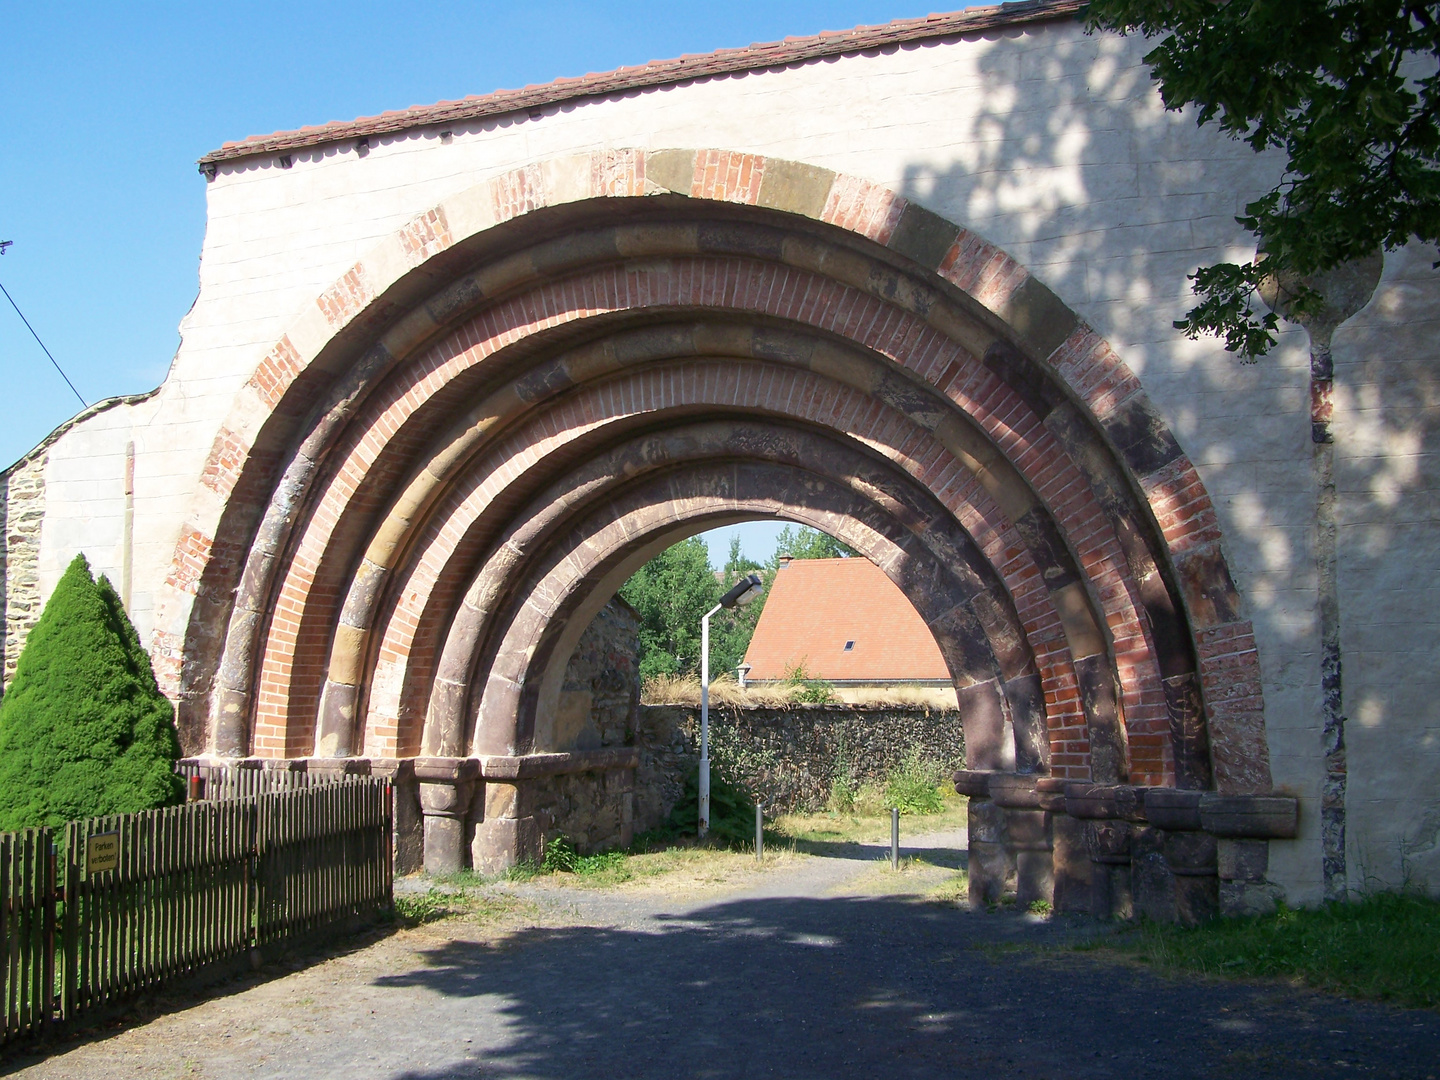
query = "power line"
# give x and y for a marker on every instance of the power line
(83, 403)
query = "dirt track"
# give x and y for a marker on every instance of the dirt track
(817, 967)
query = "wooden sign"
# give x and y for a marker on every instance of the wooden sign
(102, 852)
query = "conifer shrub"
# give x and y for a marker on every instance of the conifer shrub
(732, 811)
(84, 728)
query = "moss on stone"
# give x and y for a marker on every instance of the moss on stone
(84, 728)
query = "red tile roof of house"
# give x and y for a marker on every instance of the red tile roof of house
(773, 54)
(815, 606)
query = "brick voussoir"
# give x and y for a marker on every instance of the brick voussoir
(740, 177)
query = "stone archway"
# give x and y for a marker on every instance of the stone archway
(455, 453)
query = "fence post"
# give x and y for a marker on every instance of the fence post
(252, 862)
(69, 935)
(47, 986)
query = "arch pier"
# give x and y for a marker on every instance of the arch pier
(443, 470)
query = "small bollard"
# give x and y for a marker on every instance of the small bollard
(894, 838)
(759, 834)
(197, 788)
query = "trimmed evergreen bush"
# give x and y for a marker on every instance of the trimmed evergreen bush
(732, 811)
(84, 729)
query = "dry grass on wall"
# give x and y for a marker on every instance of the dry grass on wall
(685, 690)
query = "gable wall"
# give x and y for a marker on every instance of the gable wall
(1047, 142)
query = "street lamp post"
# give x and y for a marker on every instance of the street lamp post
(744, 591)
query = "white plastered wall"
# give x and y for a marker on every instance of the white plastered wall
(1047, 142)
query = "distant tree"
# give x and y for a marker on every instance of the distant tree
(671, 593)
(674, 590)
(1347, 89)
(739, 563)
(84, 729)
(806, 543)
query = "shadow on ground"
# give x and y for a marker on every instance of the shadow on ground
(948, 857)
(888, 987)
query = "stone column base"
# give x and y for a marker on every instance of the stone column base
(446, 788)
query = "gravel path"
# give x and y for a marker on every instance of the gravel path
(818, 967)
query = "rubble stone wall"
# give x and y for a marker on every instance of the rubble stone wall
(789, 757)
(22, 513)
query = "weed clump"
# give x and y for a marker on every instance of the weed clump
(84, 728)
(561, 858)
(806, 689)
(914, 785)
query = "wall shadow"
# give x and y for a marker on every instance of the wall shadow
(1111, 202)
(889, 987)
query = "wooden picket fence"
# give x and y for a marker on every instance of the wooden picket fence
(27, 929)
(191, 886)
(232, 782)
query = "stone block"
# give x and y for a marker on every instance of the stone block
(1240, 898)
(1072, 868)
(1108, 843)
(923, 236)
(986, 821)
(444, 844)
(1252, 816)
(1040, 317)
(974, 783)
(672, 169)
(1242, 860)
(1197, 899)
(1190, 852)
(1173, 810)
(1026, 830)
(1034, 878)
(795, 187)
(1050, 793)
(409, 827)
(1142, 436)
(1152, 884)
(1014, 791)
(992, 873)
(1104, 802)
(500, 843)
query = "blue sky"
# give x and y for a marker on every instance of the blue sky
(105, 107)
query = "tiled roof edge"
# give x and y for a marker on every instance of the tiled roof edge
(657, 73)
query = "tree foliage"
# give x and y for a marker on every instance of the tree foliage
(806, 543)
(84, 729)
(671, 593)
(1348, 90)
(674, 590)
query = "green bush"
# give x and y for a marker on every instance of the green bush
(732, 812)
(808, 690)
(84, 729)
(561, 858)
(914, 785)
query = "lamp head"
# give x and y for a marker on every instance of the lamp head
(743, 591)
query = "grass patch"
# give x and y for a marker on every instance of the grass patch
(868, 822)
(1385, 947)
(954, 890)
(415, 909)
(650, 856)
